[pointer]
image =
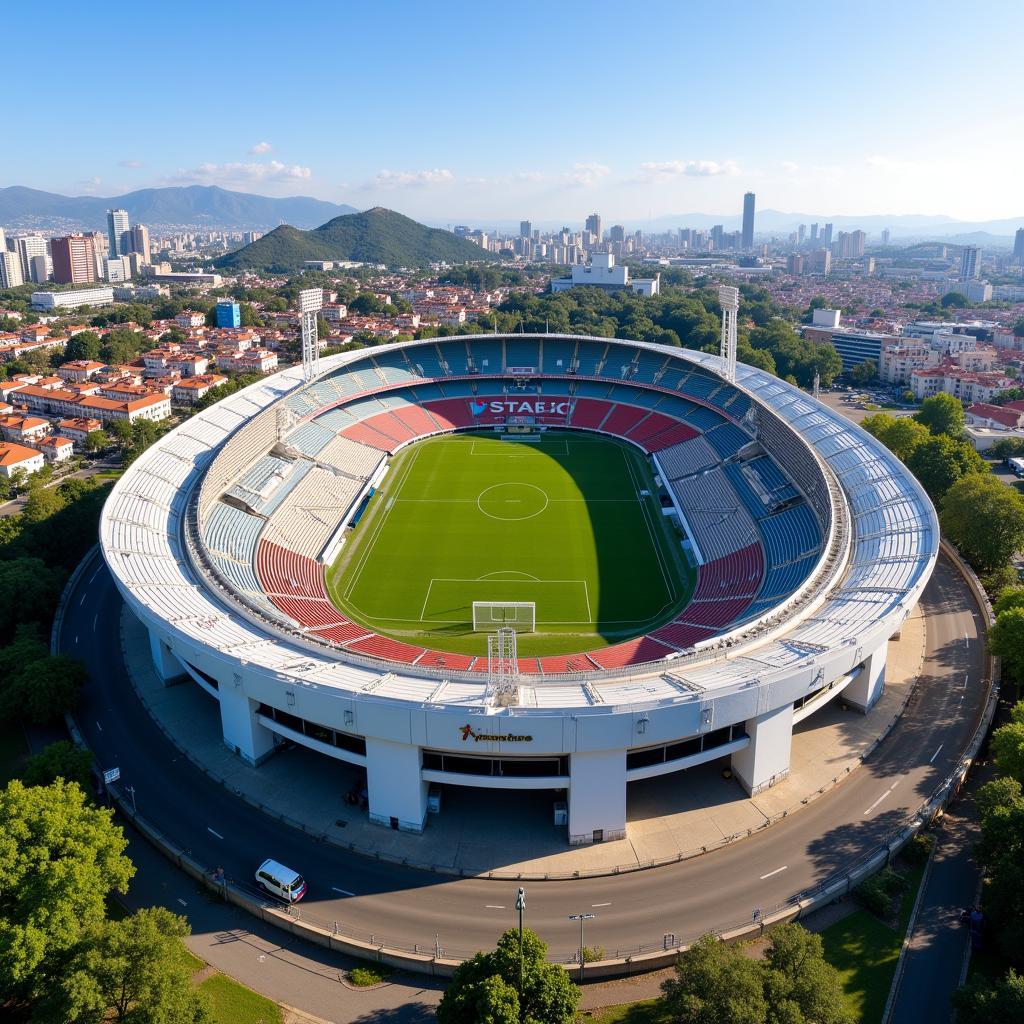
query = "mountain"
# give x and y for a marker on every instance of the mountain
(194, 205)
(376, 236)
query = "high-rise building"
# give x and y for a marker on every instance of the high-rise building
(717, 236)
(814, 234)
(1018, 246)
(819, 262)
(886, 235)
(970, 263)
(795, 264)
(10, 269)
(29, 246)
(41, 267)
(747, 241)
(3, 240)
(593, 225)
(140, 241)
(117, 226)
(616, 233)
(525, 229)
(826, 235)
(801, 234)
(74, 260)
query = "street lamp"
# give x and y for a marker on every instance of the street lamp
(581, 918)
(521, 906)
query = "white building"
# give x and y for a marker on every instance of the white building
(29, 246)
(71, 299)
(15, 457)
(602, 272)
(10, 270)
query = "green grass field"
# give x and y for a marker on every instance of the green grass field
(560, 522)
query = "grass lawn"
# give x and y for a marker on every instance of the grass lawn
(645, 1012)
(236, 1004)
(12, 752)
(559, 521)
(864, 950)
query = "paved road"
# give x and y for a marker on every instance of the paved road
(407, 907)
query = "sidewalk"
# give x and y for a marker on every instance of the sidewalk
(669, 816)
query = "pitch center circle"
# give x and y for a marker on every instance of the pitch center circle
(512, 501)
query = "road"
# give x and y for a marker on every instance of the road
(407, 908)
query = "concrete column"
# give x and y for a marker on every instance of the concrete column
(864, 691)
(243, 733)
(597, 796)
(765, 760)
(167, 667)
(398, 794)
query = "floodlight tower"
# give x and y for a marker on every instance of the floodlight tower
(502, 667)
(311, 301)
(730, 301)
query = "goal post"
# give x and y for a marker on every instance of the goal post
(489, 616)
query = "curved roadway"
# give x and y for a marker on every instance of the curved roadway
(405, 907)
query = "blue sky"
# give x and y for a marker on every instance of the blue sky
(466, 111)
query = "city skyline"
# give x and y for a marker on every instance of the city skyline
(658, 122)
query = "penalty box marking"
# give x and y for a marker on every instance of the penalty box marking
(535, 584)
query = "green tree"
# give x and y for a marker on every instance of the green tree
(83, 345)
(59, 859)
(37, 588)
(97, 440)
(942, 414)
(1003, 793)
(133, 971)
(1010, 597)
(486, 988)
(715, 983)
(900, 434)
(121, 432)
(60, 760)
(984, 518)
(982, 1002)
(42, 689)
(41, 503)
(800, 986)
(1007, 448)
(941, 461)
(954, 300)
(865, 372)
(1007, 743)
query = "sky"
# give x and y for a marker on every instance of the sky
(463, 111)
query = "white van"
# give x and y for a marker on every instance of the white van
(280, 881)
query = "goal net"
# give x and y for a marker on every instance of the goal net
(489, 616)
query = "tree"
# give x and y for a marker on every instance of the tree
(40, 690)
(60, 760)
(486, 988)
(865, 372)
(800, 985)
(83, 345)
(715, 983)
(1007, 448)
(984, 518)
(42, 502)
(1007, 743)
(900, 434)
(37, 588)
(121, 432)
(59, 859)
(954, 300)
(982, 1002)
(97, 440)
(135, 971)
(941, 461)
(1001, 794)
(1010, 597)
(942, 414)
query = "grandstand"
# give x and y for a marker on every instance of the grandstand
(808, 543)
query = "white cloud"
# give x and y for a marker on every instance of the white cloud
(584, 175)
(130, 163)
(261, 147)
(89, 185)
(670, 170)
(789, 167)
(386, 179)
(242, 174)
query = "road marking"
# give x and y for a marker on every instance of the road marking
(76, 638)
(882, 797)
(600, 904)
(936, 754)
(182, 902)
(95, 574)
(491, 906)
(94, 618)
(963, 685)
(344, 892)
(80, 603)
(212, 833)
(775, 872)
(98, 726)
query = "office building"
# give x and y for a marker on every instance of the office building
(616, 233)
(747, 241)
(117, 227)
(886, 235)
(814, 234)
(41, 268)
(826, 235)
(29, 246)
(72, 299)
(602, 273)
(3, 240)
(140, 241)
(117, 268)
(525, 229)
(10, 269)
(819, 262)
(801, 234)
(795, 264)
(1018, 247)
(593, 225)
(229, 314)
(717, 236)
(74, 260)
(970, 263)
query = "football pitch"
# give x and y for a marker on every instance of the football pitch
(560, 521)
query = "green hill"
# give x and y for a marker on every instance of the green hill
(376, 236)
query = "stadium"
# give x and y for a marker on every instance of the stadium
(544, 562)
